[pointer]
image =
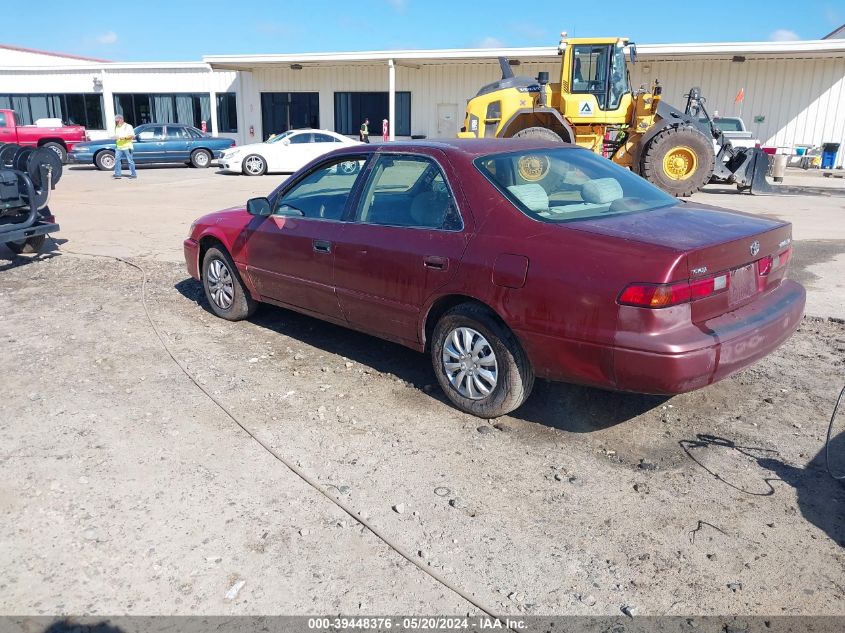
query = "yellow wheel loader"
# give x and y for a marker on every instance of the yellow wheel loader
(593, 106)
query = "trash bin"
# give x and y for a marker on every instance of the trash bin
(829, 151)
(779, 167)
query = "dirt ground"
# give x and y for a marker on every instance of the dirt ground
(125, 489)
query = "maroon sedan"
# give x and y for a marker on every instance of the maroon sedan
(506, 260)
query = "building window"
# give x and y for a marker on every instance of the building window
(351, 108)
(72, 109)
(227, 112)
(283, 111)
(188, 108)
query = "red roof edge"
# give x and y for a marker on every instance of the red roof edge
(40, 52)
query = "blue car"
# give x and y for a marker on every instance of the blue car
(156, 143)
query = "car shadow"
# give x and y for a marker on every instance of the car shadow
(562, 406)
(821, 498)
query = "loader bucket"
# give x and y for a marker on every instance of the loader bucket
(749, 168)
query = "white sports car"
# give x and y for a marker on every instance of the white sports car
(284, 153)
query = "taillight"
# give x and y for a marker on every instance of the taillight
(764, 265)
(665, 295)
(783, 258)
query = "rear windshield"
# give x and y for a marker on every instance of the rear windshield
(560, 185)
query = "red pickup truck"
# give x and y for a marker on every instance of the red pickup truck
(59, 139)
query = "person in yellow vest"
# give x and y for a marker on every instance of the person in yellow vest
(364, 135)
(124, 134)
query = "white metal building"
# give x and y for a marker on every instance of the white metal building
(794, 91)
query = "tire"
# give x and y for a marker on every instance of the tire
(104, 160)
(59, 149)
(514, 377)
(543, 133)
(200, 158)
(234, 305)
(254, 165)
(686, 151)
(30, 245)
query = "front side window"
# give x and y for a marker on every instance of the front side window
(297, 139)
(408, 191)
(151, 133)
(561, 185)
(323, 193)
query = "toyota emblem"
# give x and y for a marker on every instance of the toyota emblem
(755, 248)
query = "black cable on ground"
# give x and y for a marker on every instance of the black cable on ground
(827, 440)
(356, 515)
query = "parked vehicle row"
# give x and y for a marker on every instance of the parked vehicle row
(509, 259)
(156, 143)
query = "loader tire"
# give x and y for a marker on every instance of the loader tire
(679, 160)
(543, 133)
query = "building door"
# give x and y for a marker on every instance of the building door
(283, 111)
(447, 120)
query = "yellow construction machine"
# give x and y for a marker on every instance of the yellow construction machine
(594, 106)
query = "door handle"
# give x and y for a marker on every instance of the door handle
(322, 246)
(436, 263)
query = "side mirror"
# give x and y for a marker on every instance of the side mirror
(258, 206)
(285, 141)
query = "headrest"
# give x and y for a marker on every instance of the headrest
(532, 196)
(601, 191)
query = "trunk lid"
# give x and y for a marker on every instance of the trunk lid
(714, 241)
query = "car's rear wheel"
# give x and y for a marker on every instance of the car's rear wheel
(30, 245)
(104, 161)
(228, 297)
(479, 363)
(61, 152)
(200, 158)
(254, 165)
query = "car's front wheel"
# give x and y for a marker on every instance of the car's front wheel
(254, 165)
(104, 161)
(200, 158)
(479, 363)
(228, 297)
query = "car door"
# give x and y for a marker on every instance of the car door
(177, 144)
(405, 241)
(290, 253)
(296, 150)
(149, 145)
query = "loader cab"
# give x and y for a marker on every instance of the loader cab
(595, 86)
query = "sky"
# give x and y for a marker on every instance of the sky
(185, 30)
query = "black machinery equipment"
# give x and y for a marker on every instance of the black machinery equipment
(27, 176)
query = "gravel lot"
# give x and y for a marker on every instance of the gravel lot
(125, 489)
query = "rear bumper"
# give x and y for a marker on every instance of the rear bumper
(192, 251)
(42, 227)
(733, 342)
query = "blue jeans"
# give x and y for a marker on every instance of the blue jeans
(119, 156)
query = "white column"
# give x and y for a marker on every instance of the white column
(108, 102)
(391, 97)
(212, 125)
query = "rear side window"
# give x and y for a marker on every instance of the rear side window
(325, 138)
(176, 132)
(408, 191)
(560, 185)
(2, 119)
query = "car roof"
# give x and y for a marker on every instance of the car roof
(468, 148)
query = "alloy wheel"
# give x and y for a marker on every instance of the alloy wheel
(470, 363)
(221, 287)
(254, 165)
